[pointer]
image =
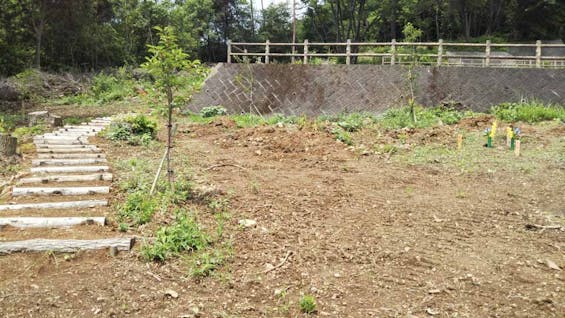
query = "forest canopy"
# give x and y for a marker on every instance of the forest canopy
(86, 35)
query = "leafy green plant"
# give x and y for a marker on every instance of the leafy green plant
(28, 132)
(531, 112)
(205, 263)
(342, 135)
(135, 129)
(307, 304)
(184, 234)
(212, 111)
(138, 208)
(248, 120)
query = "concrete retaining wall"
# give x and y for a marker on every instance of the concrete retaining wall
(327, 89)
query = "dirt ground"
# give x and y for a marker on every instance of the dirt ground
(367, 234)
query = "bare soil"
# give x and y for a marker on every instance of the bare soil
(367, 235)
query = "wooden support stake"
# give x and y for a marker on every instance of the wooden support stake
(487, 53)
(267, 51)
(517, 148)
(348, 52)
(439, 52)
(538, 53)
(393, 51)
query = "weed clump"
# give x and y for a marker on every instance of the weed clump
(307, 304)
(134, 129)
(138, 209)
(213, 111)
(531, 112)
(185, 234)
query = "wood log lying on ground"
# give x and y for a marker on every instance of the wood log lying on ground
(75, 134)
(38, 117)
(50, 222)
(67, 150)
(70, 169)
(55, 205)
(61, 141)
(72, 147)
(68, 178)
(66, 162)
(8, 145)
(68, 246)
(70, 155)
(28, 191)
(97, 127)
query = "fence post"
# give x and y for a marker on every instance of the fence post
(487, 53)
(439, 52)
(305, 52)
(393, 51)
(538, 53)
(267, 51)
(229, 51)
(348, 52)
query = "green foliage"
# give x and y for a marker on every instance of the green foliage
(25, 132)
(342, 135)
(248, 120)
(411, 33)
(206, 262)
(138, 208)
(402, 117)
(530, 112)
(212, 111)
(135, 129)
(350, 122)
(109, 88)
(307, 304)
(184, 234)
(8, 122)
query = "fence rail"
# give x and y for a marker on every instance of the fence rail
(422, 53)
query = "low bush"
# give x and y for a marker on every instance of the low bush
(307, 304)
(530, 112)
(185, 234)
(425, 117)
(342, 135)
(135, 129)
(212, 111)
(205, 263)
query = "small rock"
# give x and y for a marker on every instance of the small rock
(34, 286)
(434, 291)
(337, 275)
(247, 223)
(171, 293)
(269, 267)
(551, 264)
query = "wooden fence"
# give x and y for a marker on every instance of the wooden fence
(421, 53)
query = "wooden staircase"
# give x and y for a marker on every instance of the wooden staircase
(62, 205)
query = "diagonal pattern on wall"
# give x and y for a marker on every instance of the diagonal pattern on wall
(328, 89)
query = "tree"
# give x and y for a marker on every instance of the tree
(276, 25)
(166, 62)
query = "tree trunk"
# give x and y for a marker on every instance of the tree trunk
(43, 245)
(50, 222)
(55, 205)
(169, 136)
(8, 145)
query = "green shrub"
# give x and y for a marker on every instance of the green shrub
(308, 304)
(530, 112)
(248, 120)
(185, 234)
(135, 129)
(138, 208)
(212, 111)
(401, 117)
(28, 132)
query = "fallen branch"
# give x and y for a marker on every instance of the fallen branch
(280, 264)
(223, 165)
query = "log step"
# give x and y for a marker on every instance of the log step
(75, 134)
(50, 222)
(70, 155)
(70, 169)
(67, 150)
(70, 141)
(68, 178)
(66, 162)
(47, 146)
(26, 191)
(67, 246)
(55, 205)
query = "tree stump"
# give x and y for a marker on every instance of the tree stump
(56, 121)
(8, 145)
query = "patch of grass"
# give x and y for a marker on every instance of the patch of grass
(531, 112)
(307, 304)
(74, 120)
(138, 174)
(205, 262)
(138, 209)
(350, 122)
(401, 117)
(248, 120)
(184, 234)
